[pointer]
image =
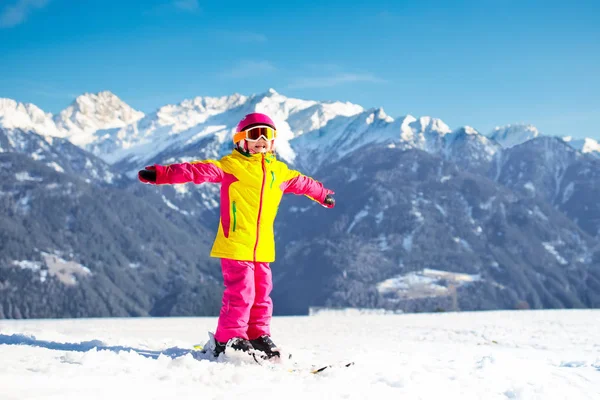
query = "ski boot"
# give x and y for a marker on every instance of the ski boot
(235, 344)
(265, 345)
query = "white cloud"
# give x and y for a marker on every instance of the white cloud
(187, 5)
(17, 13)
(247, 69)
(333, 80)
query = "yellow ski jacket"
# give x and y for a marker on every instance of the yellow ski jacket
(251, 189)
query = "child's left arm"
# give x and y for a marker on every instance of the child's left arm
(300, 184)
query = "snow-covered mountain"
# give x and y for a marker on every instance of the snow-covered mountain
(402, 213)
(71, 247)
(57, 153)
(512, 135)
(587, 145)
(26, 116)
(310, 132)
(469, 149)
(208, 119)
(78, 122)
(92, 112)
(549, 168)
(502, 219)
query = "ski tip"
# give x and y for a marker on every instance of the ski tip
(318, 370)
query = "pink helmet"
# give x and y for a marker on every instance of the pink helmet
(255, 119)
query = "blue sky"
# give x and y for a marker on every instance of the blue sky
(480, 63)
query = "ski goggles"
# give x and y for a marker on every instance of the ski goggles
(254, 134)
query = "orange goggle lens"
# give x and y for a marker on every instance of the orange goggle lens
(253, 134)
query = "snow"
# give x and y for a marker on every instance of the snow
(469, 130)
(424, 283)
(310, 133)
(568, 192)
(56, 167)
(521, 355)
(299, 209)
(463, 243)
(173, 206)
(590, 146)
(66, 271)
(349, 311)
(585, 145)
(383, 243)
(423, 133)
(92, 112)
(488, 204)
(26, 264)
(407, 242)
(512, 135)
(529, 186)
(538, 213)
(441, 209)
(25, 176)
(415, 211)
(361, 214)
(26, 116)
(552, 250)
(23, 204)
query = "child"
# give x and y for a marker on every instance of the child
(252, 184)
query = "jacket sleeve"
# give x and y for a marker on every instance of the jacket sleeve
(300, 184)
(196, 171)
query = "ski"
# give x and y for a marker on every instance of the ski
(319, 370)
(201, 352)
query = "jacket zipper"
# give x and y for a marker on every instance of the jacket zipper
(260, 204)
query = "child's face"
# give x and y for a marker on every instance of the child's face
(260, 146)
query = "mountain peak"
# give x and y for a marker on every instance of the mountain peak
(586, 145)
(25, 116)
(469, 130)
(378, 114)
(87, 102)
(91, 112)
(513, 134)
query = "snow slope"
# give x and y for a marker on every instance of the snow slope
(512, 135)
(92, 112)
(486, 355)
(214, 118)
(310, 133)
(26, 116)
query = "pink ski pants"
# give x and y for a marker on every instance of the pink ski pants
(247, 307)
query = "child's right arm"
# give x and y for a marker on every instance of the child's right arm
(197, 172)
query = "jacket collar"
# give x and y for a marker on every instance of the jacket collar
(256, 157)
